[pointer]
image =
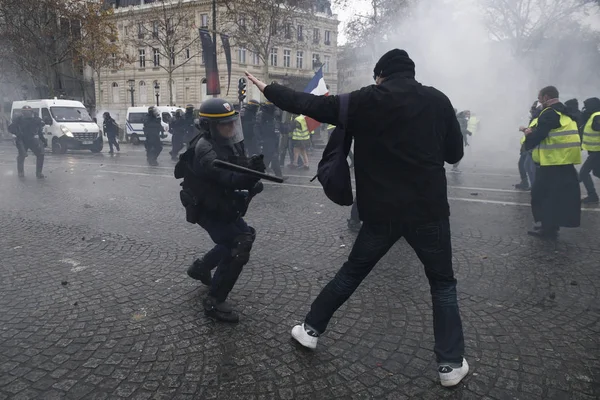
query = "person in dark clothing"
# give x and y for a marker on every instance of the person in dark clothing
(28, 129)
(555, 195)
(177, 130)
(153, 131)
(111, 131)
(463, 121)
(217, 199)
(189, 124)
(403, 132)
(251, 137)
(572, 107)
(590, 131)
(268, 125)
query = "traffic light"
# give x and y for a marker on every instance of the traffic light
(241, 89)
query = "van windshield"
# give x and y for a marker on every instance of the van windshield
(70, 114)
(137, 118)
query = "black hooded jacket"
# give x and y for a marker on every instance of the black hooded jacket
(403, 132)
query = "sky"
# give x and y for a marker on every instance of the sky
(361, 7)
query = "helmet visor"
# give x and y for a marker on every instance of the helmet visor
(227, 131)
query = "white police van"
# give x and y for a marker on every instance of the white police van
(135, 122)
(68, 125)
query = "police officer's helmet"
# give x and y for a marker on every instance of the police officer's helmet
(189, 108)
(179, 112)
(106, 115)
(218, 111)
(27, 110)
(153, 111)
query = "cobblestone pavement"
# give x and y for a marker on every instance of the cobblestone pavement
(95, 302)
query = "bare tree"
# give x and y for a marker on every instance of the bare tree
(168, 28)
(261, 25)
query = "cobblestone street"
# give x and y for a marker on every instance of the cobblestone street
(95, 302)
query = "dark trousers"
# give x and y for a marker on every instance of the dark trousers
(592, 163)
(29, 143)
(153, 148)
(431, 242)
(354, 212)
(271, 153)
(112, 141)
(176, 144)
(224, 234)
(522, 170)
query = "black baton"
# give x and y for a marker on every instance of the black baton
(243, 170)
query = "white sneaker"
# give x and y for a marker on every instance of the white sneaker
(452, 376)
(304, 338)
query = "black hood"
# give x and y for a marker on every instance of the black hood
(572, 105)
(590, 106)
(395, 62)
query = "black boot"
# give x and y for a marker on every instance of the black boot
(39, 164)
(21, 167)
(219, 311)
(354, 225)
(523, 185)
(590, 199)
(200, 271)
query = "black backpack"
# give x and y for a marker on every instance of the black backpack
(333, 172)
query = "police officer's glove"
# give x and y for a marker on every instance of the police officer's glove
(257, 163)
(259, 187)
(44, 142)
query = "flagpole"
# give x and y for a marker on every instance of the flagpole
(214, 36)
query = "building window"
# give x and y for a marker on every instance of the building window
(172, 56)
(299, 59)
(187, 53)
(204, 21)
(300, 33)
(255, 58)
(113, 60)
(143, 92)
(140, 30)
(316, 34)
(274, 28)
(326, 63)
(287, 58)
(115, 92)
(156, 57)
(142, 53)
(155, 29)
(203, 59)
(242, 55)
(274, 56)
(328, 37)
(287, 30)
(316, 61)
(242, 22)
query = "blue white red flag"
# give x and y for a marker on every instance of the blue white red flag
(317, 87)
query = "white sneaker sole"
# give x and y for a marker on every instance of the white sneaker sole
(300, 335)
(456, 376)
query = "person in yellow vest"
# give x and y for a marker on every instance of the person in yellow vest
(556, 145)
(590, 118)
(300, 142)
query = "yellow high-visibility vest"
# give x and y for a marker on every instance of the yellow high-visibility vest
(532, 125)
(473, 124)
(562, 146)
(301, 133)
(591, 138)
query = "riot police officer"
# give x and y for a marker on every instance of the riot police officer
(177, 129)
(251, 139)
(28, 129)
(268, 122)
(111, 131)
(217, 200)
(153, 131)
(189, 124)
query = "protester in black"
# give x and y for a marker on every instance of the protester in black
(404, 132)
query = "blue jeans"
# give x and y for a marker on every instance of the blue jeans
(530, 167)
(431, 242)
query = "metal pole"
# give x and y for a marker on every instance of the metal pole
(131, 90)
(157, 99)
(214, 35)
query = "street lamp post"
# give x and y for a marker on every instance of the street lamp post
(131, 89)
(156, 92)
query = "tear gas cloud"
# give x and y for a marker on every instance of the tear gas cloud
(451, 46)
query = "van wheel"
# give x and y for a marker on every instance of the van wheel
(57, 148)
(134, 139)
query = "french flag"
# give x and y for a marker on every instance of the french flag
(317, 87)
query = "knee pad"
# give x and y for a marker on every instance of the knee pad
(242, 247)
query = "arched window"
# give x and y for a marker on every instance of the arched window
(115, 93)
(143, 93)
(203, 89)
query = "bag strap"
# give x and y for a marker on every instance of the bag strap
(344, 102)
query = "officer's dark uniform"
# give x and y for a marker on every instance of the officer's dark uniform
(217, 199)
(269, 128)
(28, 129)
(189, 121)
(111, 130)
(463, 122)
(251, 137)
(177, 129)
(153, 130)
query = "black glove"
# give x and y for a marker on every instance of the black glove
(256, 163)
